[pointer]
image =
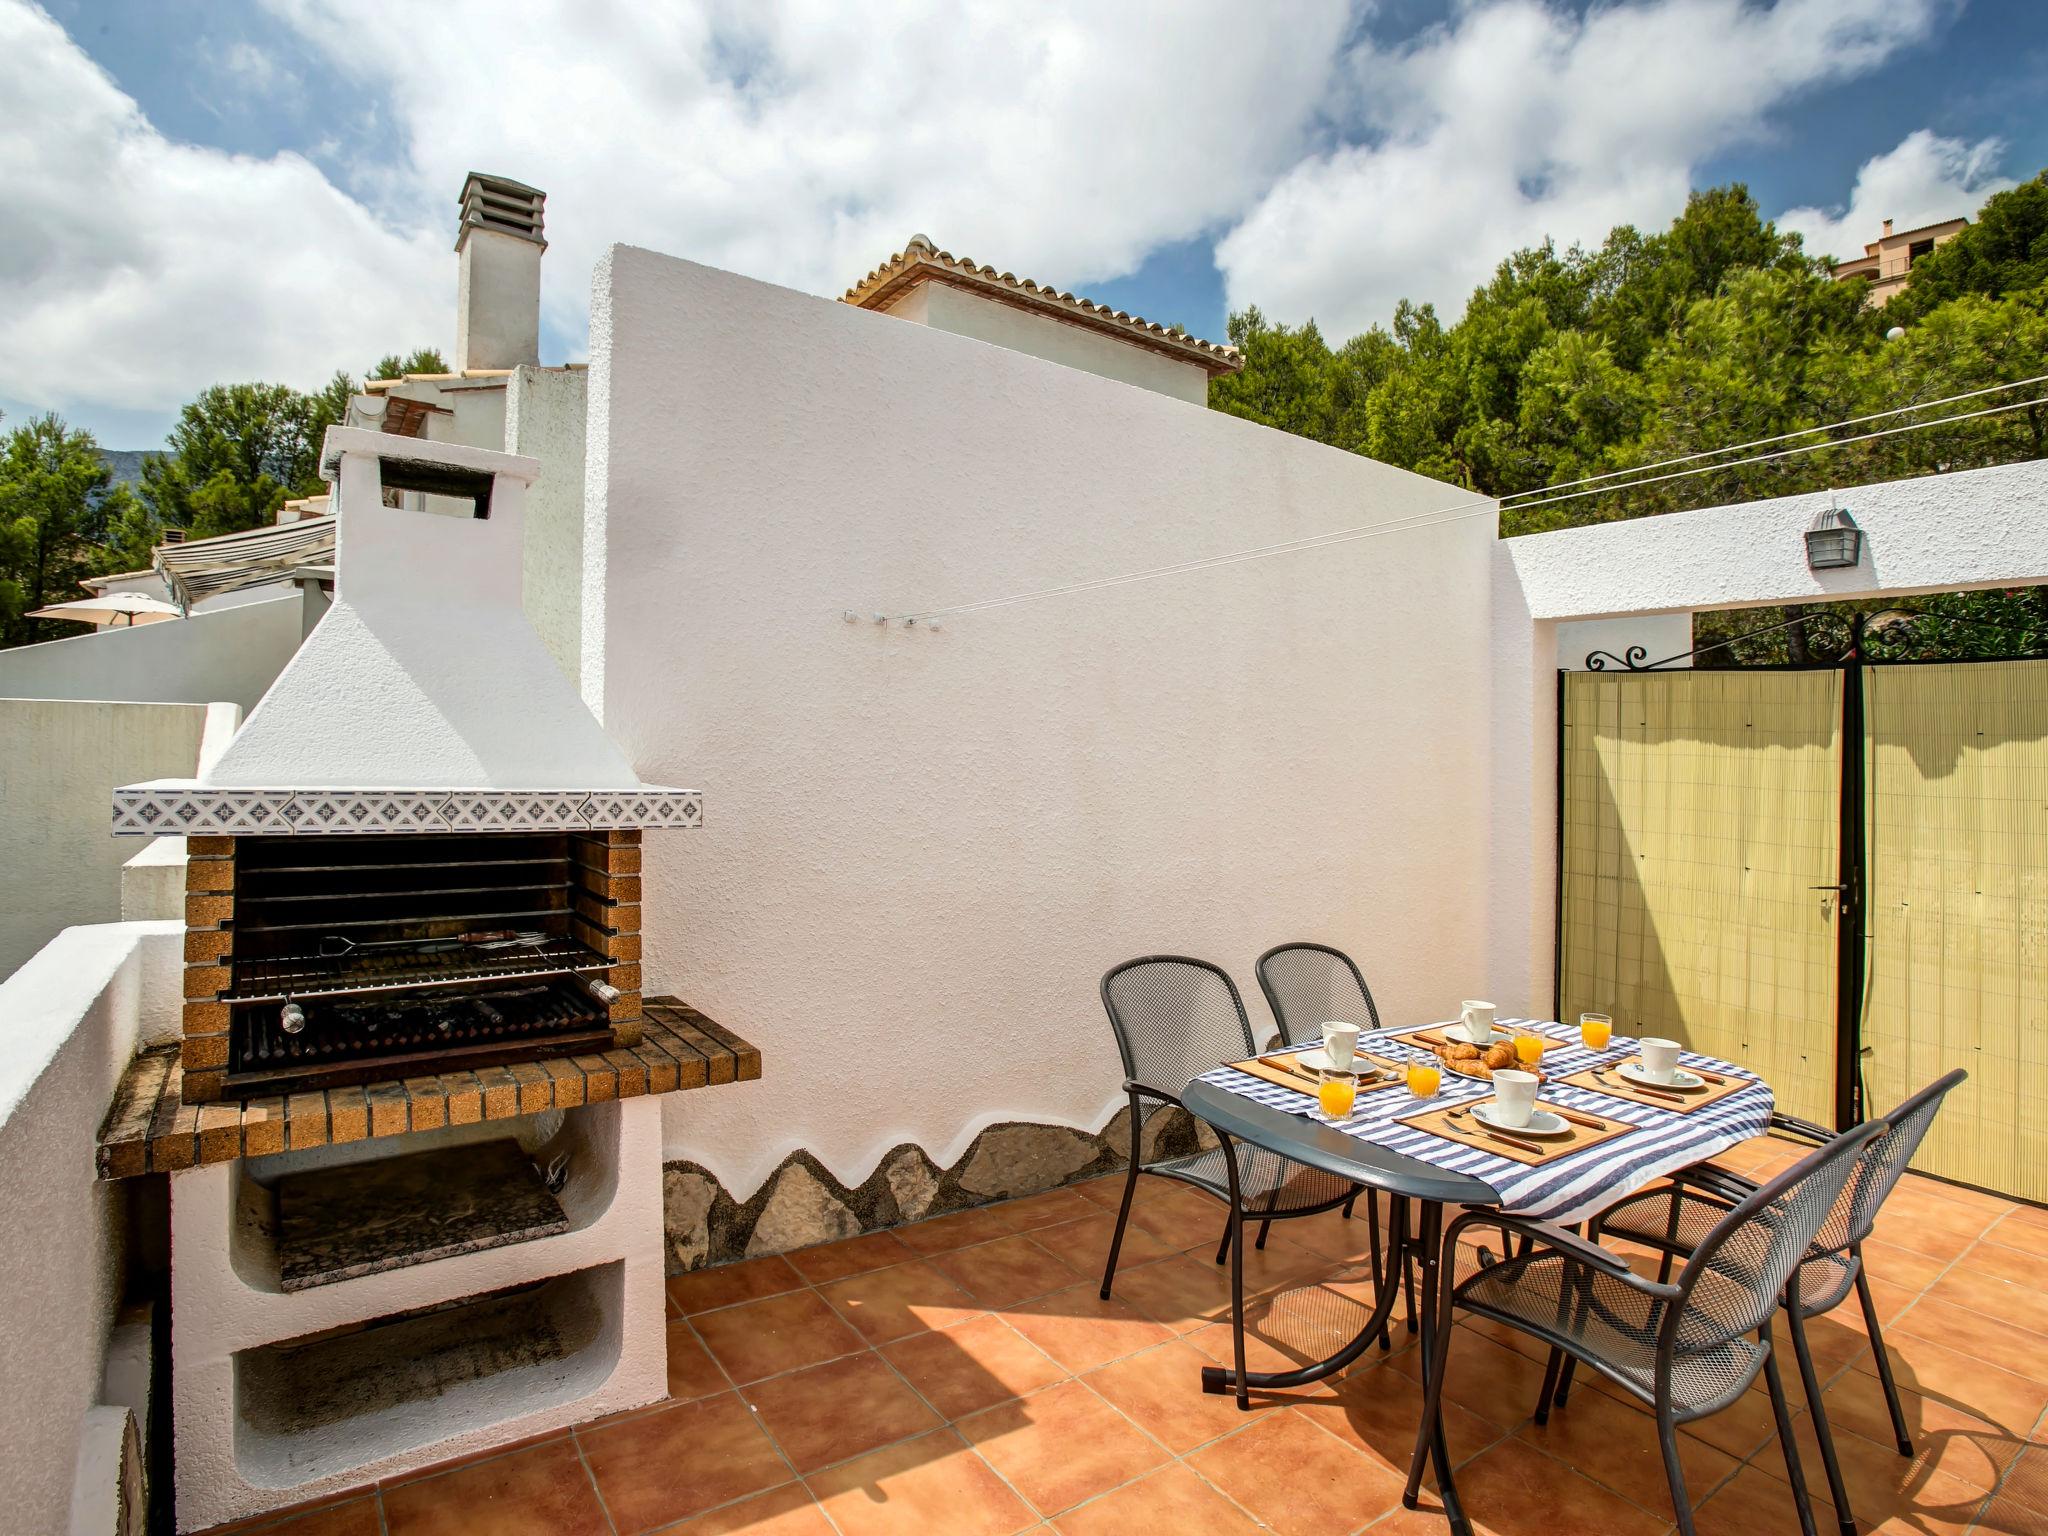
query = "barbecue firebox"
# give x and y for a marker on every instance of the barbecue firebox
(334, 960)
(421, 853)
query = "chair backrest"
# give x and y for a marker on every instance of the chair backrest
(1309, 985)
(1174, 1019)
(1737, 1275)
(1883, 1164)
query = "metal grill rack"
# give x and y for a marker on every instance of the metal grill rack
(292, 977)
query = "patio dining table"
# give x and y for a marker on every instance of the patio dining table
(1421, 1172)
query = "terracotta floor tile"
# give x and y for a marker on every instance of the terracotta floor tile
(1106, 1192)
(1745, 1428)
(351, 1517)
(1297, 1479)
(1180, 1215)
(1949, 1440)
(783, 1333)
(919, 1488)
(831, 1412)
(2021, 1505)
(728, 1284)
(976, 1365)
(1083, 1245)
(2019, 1232)
(2021, 1269)
(943, 1233)
(1498, 1384)
(677, 1462)
(1883, 1485)
(1516, 1490)
(1973, 1333)
(1377, 1412)
(1180, 1293)
(2012, 1402)
(1293, 1333)
(2033, 1215)
(1006, 1271)
(1062, 1445)
(1035, 1211)
(1902, 1267)
(895, 1303)
(1080, 1330)
(540, 1491)
(1615, 1444)
(1754, 1502)
(1173, 1499)
(785, 1511)
(2001, 1300)
(1934, 1239)
(851, 1256)
(1161, 1391)
(691, 1372)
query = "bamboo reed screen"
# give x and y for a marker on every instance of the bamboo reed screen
(1957, 801)
(1700, 807)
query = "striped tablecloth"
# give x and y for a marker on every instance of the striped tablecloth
(1570, 1188)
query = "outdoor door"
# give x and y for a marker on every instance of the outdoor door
(1700, 860)
(1957, 793)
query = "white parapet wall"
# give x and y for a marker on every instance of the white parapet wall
(70, 1020)
(927, 847)
(231, 653)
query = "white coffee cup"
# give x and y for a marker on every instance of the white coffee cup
(1475, 1022)
(1660, 1059)
(1514, 1095)
(1340, 1044)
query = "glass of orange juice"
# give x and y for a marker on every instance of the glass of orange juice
(1529, 1047)
(1595, 1030)
(1424, 1077)
(1337, 1092)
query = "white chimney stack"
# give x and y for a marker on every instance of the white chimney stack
(497, 299)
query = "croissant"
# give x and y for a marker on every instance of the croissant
(1461, 1051)
(1498, 1056)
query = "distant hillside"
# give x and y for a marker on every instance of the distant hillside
(126, 463)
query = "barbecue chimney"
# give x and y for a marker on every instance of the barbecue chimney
(497, 296)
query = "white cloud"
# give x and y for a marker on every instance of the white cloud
(1925, 180)
(805, 141)
(135, 271)
(1518, 119)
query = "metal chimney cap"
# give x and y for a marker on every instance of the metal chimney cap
(501, 204)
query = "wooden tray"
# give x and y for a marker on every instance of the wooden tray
(1468, 1132)
(1680, 1102)
(1262, 1067)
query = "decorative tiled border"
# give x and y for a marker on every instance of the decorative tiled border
(142, 810)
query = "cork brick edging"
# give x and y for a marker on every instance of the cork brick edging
(802, 1203)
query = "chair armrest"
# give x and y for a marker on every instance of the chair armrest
(1583, 1250)
(1146, 1090)
(1806, 1130)
(1718, 1182)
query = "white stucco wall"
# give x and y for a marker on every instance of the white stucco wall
(947, 308)
(231, 653)
(924, 849)
(544, 419)
(69, 1022)
(60, 760)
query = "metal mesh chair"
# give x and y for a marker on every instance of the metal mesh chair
(1307, 986)
(1174, 1019)
(1676, 1218)
(1684, 1348)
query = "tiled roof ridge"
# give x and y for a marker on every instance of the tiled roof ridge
(921, 251)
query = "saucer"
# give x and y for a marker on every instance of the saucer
(1315, 1059)
(1541, 1121)
(1500, 1037)
(1680, 1079)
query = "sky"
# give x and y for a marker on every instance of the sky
(193, 193)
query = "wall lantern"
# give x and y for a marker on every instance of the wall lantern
(1834, 540)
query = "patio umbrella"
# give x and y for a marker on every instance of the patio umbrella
(112, 608)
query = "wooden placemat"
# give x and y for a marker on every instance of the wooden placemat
(1262, 1067)
(1437, 1042)
(1467, 1131)
(1679, 1101)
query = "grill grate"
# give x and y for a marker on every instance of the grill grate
(303, 976)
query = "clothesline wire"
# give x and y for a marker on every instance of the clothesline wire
(1460, 511)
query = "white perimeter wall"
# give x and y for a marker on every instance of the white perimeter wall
(922, 850)
(544, 418)
(59, 762)
(71, 1018)
(229, 654)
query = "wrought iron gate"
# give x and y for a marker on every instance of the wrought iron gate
(1837, 876)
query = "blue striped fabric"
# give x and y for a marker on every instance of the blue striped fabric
(1567, 1189)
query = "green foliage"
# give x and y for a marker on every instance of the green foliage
(1719, 330)
(56, 505)
(422, 360)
